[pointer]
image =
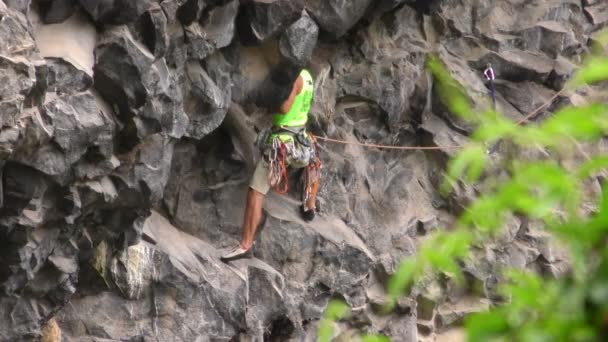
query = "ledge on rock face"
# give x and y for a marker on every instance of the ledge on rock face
(336, 16)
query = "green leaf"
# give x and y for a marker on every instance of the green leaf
(595, 70)
(494, 129)
(483, 327)
(601, 37)
(470, 163)
(602, 214)
(581, 123)
(486, 215)
(593, 165)
(408, 269)
(451, 93)
(326, 331)
(375, 338)
(336, 310)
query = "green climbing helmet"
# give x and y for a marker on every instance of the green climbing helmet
(298, 114)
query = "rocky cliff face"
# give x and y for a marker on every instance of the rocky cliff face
(126, 144)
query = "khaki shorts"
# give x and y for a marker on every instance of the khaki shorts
(259, 181)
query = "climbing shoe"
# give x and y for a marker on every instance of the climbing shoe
(308, 215)
(236, 252)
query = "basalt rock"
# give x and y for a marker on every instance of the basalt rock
(127, 134)
(115, 12)
(39, 242)
(335, 16)
(121, 69)
(299, 40)
(56, 11)
(215, 30)
(63, 77)
(267, 18)
(598, 14)
(189, 10)
(153, 28)
(205, 102)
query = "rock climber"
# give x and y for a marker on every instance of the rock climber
(286, 144)
(490, 77)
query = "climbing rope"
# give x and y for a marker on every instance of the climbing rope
(386, 147)
(541, 107)
(435, 148)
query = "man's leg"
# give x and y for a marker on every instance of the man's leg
(311, 202)
(309, 207)
(493, 94)
(253, 210)
(252, 217)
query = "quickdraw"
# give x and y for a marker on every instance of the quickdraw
(277, 177)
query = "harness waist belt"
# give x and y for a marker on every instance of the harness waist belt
(289, 130)
(299, 132)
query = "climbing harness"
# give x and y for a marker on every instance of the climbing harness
(490, 77)
(292, 152)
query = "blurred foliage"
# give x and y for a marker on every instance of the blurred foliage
(542, 182)
(336, 310)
